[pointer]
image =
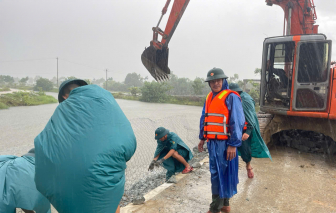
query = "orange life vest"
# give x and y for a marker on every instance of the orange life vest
(216, 118)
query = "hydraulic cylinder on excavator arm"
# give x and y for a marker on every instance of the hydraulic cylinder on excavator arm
(155, 57)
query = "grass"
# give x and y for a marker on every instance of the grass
(25, 99)
(4, 89)
(119, 95)
(186, 100)
(181, 100)
(3, 106)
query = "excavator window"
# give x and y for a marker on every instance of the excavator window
(313, 63)
(311, 86)
(279, 69)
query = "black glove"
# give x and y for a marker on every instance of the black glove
(159, 162)
(151, 165)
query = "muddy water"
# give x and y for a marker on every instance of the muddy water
(20, 125)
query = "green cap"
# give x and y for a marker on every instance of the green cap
(160, 132)
(215, 73)
(80, 82)
(235, 87)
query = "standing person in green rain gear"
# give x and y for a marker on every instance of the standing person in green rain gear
(171, 152)
(252, 143)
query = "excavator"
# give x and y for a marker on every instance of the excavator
(297, 90)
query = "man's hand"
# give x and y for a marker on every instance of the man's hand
(230, 153)
(245, 137)
(200, 145)
(151, 165)
(159, 162)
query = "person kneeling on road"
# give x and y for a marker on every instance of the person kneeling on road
(17, 186)
(171, 152)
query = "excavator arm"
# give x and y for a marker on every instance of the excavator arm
(300, 16)
(155, 57)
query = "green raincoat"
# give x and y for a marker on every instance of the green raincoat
(82, 152)
(255, 141)
(172, 165)
(17, 186)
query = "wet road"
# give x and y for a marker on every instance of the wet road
(293, 182)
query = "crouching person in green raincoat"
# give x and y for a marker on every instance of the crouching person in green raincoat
(17, 186)
(252, 143)
(82, 152)
(171, 152)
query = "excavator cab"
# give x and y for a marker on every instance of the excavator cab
(295, 74)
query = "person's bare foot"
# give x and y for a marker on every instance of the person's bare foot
(250, 173)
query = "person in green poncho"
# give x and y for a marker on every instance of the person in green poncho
(171, 152)
(82, 152)
(17, 186)
(252, 143)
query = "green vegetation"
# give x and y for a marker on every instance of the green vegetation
(6, 79)
(120, 95)
(3, 106)
(135, 87)
(25, 99)
(4, 89)
(186, 100)
(155, 92)
(134, 90)
(43, 84)
(182, 100)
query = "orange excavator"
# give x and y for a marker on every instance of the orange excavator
(297, 79)
(155, 57)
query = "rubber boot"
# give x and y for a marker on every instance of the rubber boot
(226, 207)
(216, 204)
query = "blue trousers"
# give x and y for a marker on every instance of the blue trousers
(224, 173)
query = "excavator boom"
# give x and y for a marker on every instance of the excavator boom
(300, 16)
(155, 57)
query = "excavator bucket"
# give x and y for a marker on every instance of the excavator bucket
(156, 62)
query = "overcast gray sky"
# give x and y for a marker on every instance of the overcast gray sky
(89, 36)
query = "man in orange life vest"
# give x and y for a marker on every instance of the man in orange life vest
(221, 125)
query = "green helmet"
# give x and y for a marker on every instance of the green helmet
(80, 82)
(215, 73)
(160, 132)
(235, 87)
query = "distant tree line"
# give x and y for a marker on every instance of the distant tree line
(136, 85)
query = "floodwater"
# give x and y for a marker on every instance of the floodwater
(20, 125)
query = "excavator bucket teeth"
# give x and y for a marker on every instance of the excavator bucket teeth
(156, 62)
